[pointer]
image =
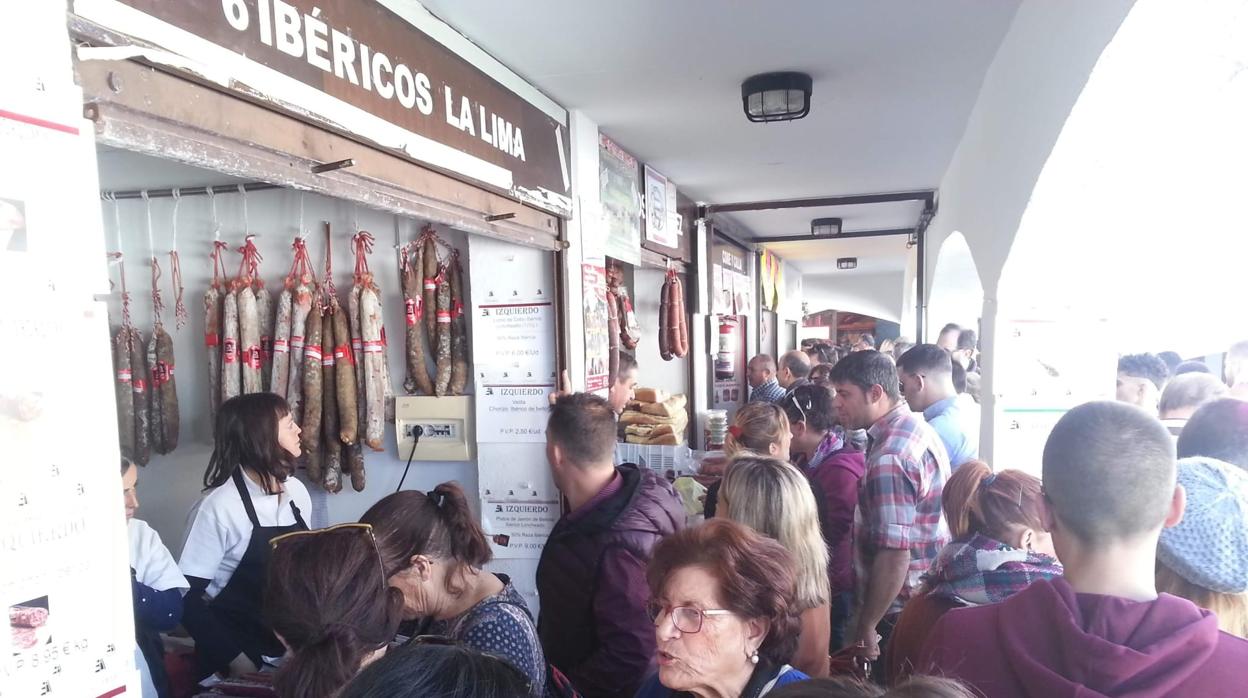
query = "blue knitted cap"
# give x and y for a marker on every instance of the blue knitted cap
(1209, 547)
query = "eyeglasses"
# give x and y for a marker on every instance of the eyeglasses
(687, 619)
(366, 528)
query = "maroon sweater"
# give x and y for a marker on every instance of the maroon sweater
(1049, 642)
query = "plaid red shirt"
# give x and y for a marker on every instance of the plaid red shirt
(899, 498)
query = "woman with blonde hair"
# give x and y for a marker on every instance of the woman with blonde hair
(775, 499)
(760, 428)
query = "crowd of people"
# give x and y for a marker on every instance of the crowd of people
(855, 546)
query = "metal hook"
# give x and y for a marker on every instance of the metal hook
(177, 201)
(242, 190)
(216, 226)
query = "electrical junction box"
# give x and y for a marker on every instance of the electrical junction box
(447, 425)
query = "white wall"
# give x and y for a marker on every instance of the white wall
(957, 295)
(170, 484)
(877, 295)
(1038, 73)
(672, 376)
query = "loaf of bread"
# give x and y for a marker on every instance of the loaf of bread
(678, 421)
(650, 394)
(668, 408)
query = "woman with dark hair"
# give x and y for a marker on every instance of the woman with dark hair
(249, 499)
(433, 551)
(437, 671)
(723, 600)
(328, 602)
(999, 547)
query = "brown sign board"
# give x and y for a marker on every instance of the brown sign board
(372, 74)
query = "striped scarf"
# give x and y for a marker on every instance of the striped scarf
(982, 570)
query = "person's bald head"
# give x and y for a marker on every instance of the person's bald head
(762, 368)
(1109, 473)
(794, 366)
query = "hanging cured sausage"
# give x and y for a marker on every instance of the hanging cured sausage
(301, 304)
(311, 434)
(412, 275)
(213, 320)
(443, 382)
(459, 329)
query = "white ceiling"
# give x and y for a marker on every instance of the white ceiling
(880, 255)
(857, 218)
(894, 83)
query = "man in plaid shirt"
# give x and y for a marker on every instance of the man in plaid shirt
(899, 527)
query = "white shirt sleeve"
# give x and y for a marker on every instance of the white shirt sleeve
(153, 565)
(208, 540)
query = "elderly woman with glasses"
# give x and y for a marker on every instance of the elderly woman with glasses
(328, 602)
(433, 552)
(723, 601)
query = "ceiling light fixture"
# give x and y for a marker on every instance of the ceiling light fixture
(825, 227)
(846, 262)
(776, 96)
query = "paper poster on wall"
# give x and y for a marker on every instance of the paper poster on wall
(513, 404)
(621, 201)
(519, 502)
(721, 290)
(659, 217)
(515, 335)
(517, 529)
(597, 346)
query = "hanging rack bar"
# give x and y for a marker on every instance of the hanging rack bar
(193, 191)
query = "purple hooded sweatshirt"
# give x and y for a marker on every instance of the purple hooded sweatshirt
(1049, 642)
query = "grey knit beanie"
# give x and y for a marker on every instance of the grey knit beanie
(1209, 547)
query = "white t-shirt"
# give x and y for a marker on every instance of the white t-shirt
(152, 563)
(219, 531)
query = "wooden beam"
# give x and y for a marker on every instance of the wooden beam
(928, 196)
(158, 114)
(843, 236)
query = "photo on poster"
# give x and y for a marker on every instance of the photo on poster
(28, 624)
(12, 225)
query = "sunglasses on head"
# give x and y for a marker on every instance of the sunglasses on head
(367, 529)
(797, 404)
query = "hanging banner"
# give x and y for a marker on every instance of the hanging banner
(366, 69)
(597, 345)
(621, 201)
(662, 225)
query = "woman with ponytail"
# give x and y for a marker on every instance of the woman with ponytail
(433, 552)
(999, 547)
(335, 617)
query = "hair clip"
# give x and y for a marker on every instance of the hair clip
(735, 431)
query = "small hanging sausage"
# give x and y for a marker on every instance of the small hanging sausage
(301, 299)
(140, 386)
(665, 346)
(429, 254)
(459, 330)
(329, 405)
(344, 376)
(264, 310)
(443, 383)
(374, 359)
(231, 363)
(681, 347)
(212, 343)
(279, 375)
(613, 336)
(353, 461)
(414, 312)
(311, 435)
(249, 340)
(165, 390)
(125, 392)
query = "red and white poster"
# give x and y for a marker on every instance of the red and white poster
(597, 346)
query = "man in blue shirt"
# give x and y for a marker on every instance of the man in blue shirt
(762, 378)
(926, 375)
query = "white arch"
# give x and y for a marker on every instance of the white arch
(1138, 214)
(957, 294)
